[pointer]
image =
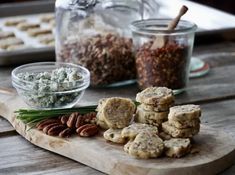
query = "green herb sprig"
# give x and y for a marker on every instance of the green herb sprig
(29, 116)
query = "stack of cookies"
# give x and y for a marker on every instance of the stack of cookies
(183, 121)
(155, 104)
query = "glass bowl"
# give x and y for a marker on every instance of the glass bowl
(49, 86)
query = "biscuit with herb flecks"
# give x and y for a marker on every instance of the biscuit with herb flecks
(155, 96)
(146, 145)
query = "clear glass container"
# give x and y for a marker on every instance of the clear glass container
(95, 34)
(47, 93)
(163, 56)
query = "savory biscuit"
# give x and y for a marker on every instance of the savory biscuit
(127, 146)
(6, 34)
(164, 136)
(5, 43)
(132, 130)
(100, 104)
(47, 18)
(118, 112)
(38, 31)
(177, 147)
(146, 145)
(150, 117)
(179, 133)
(184, 112)
(102, 124)
(25, 26)
(155, 96)
(158, 108)
(14, 22)
(185, 123)
(114, 135)
(46, 39)
(17, 47)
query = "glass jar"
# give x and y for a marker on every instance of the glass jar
(95, 34)
(163, 56)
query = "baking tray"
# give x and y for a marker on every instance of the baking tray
(38, 53)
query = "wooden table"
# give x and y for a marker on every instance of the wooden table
(215, 93)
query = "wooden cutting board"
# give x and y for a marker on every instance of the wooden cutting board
(217, 150)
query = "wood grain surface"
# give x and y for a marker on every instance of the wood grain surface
(217, 151)
(215, 92)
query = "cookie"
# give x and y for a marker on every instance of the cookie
(14, 22)
(132, 130)
(100, 104)
(184, 112)
(5, 43)
(185, 124)
(179, 133)
(26, 26)
(155, 96)
(150, 117)
(118, 112)
(127, 146)
(38, 31)
(5, 34)
(114, 135)
(46, 18)
(164, 136)
(177, 147)
(146, 145)
(158, 108)
(46, 39)
(16, 47)
(52, 43)
(102, 124)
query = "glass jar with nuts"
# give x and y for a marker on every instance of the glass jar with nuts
(163, 56)
(95, 34)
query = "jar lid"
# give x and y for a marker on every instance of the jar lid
(83, 4)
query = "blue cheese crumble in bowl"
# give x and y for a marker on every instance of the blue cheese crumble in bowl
(50, 85)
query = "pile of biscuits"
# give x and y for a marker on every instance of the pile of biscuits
(183, 121)
(40, 30)
(154, 111)
(146, 132)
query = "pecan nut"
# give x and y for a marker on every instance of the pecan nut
(46, 128)
(55, 130)
(87, 130)
(45, 123)
(90, 117)
(64, 119)
(71, 123)
(66, 133)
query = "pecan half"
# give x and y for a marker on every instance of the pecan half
(73, 119)
(46, 128)
(87, 130)
(90, 117)
(55, 130)
(45, 123)
(64, 119)
(66, 133)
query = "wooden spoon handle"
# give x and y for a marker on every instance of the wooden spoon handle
(172, 25)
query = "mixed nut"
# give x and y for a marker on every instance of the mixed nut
(108, 57)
